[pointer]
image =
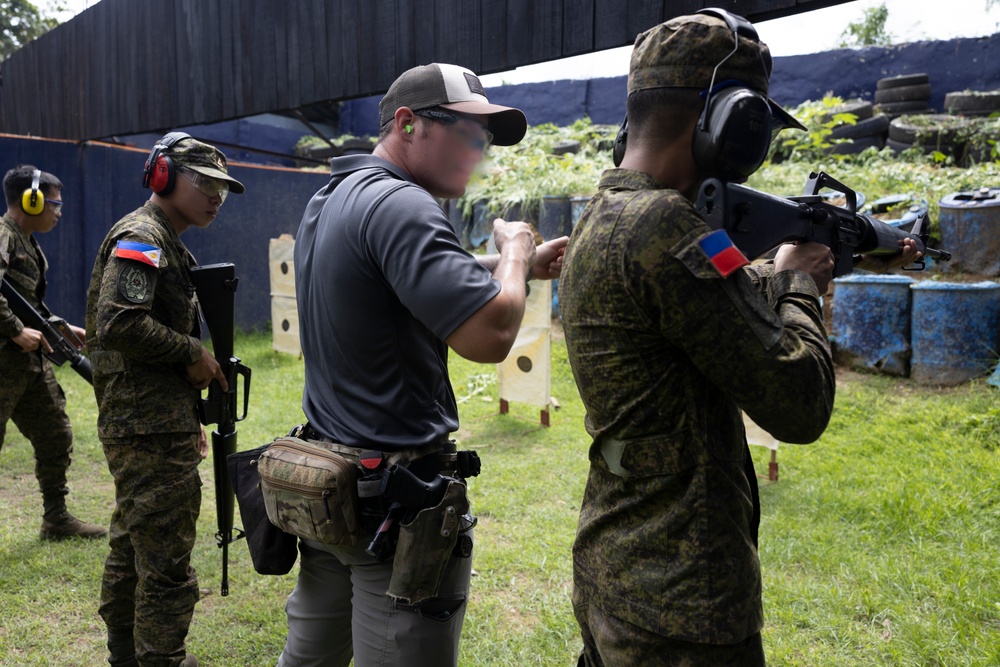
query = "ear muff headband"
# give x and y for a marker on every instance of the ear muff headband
(733, 132)
(160, 174)
(618, 151)
(32, 201)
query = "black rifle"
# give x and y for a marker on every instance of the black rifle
(216, 288)
(65, 344)
(757, 222)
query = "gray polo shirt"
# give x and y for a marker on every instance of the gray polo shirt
(381, 280)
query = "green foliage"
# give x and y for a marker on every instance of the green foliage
(521, 175)
(869, 31)
(880, 173)
(20, 22)
(820, 118)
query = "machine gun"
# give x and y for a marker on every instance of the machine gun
(758, 222)
(216, 288)
(65, 344)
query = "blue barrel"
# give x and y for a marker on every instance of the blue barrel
(871, 323)
(970, 231)
(955, 331)
(554, 217)
(481, 229)
(576, 206)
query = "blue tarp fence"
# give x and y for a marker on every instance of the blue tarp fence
(104, 182)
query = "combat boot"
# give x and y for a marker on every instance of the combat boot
(63, 525)
(189, 661)
(121, 648)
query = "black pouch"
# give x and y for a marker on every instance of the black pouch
(272, 550)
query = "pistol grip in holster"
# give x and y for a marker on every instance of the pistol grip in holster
(426, 545)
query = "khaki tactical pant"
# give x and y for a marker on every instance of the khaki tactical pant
(149, 586)
(339, 610)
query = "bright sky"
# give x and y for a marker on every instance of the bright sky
(810, 32)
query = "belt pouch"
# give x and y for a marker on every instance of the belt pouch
(310, 491)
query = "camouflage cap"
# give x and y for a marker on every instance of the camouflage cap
(204, 159)
(682, 52)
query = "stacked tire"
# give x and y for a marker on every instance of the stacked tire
(971, 103)
(869, 130)
(904, 94)
(931, 133)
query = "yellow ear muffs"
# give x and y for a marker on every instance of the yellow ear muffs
(32, 201)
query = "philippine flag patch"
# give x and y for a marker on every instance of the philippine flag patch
(719, 249)
(140, 252)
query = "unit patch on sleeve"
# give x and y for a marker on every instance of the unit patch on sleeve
(135, 282)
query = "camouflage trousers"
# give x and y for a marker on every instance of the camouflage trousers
(36, 403)
(612, 642)
(149, 586)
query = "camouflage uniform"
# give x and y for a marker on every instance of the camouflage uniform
(143, 329)
(665, 352)
(30, 394)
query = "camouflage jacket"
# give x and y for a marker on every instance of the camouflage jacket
(23, 263)
(665, 352)
(143, 329)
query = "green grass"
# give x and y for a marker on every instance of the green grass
(878, 544)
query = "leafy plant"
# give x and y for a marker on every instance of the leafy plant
(820, 119)
(21, 22)
(869, 31)
(521, 175)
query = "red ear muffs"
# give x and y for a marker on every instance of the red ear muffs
(160, 174)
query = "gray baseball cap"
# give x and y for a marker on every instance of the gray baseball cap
(456, 88)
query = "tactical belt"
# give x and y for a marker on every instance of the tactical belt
(438, 457)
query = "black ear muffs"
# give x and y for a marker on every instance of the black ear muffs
(160, 174)
(733, 132)
(32, 200)
(618, 151)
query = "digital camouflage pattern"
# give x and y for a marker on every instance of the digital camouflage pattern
(143, 329)
(621, 643)
(23, 263)
(204, 159)
(665, 352)
(683, 52)
(148, 586)
(30, 393)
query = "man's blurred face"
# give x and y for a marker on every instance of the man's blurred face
(448, 147)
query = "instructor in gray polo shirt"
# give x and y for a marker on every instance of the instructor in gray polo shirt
(384, 288)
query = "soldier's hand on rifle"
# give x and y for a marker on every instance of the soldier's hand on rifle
(80, 333)
(203, 443)
(814, 258)
(908, 254)
(201, 373)
(32, 339)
